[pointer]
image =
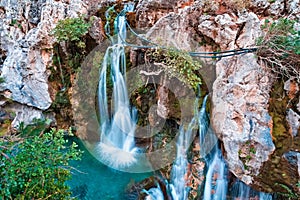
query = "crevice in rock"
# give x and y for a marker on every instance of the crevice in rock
(238, 34)
(2, 57)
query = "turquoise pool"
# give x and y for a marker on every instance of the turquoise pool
(97, 181)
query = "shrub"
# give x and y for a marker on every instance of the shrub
(279, 48)
(71, 30)
(36, 167)
(178, 64)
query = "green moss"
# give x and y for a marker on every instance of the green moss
(277, 109)
(252, 150)
(288, 193)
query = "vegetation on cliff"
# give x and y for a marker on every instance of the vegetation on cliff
(71, 30)
(178, 64)
(279, 48)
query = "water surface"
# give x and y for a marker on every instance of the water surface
(98, 181)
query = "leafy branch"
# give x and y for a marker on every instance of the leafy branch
(36, 166)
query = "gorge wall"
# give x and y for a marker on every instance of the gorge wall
(255, 115)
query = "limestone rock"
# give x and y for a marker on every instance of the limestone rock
(221, 28)
(148, 12)
(26, 41)
(241, 90)
(294, 122)
(291, 87)
(96, 30)
(239, 114)
(231, 31)
(281, 8)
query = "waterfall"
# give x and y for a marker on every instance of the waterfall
(215, 187)
(179, 170)
(117, 125)
(117, 147)
(177, 185)
(241, 191)
(216, 180)
(154, 193)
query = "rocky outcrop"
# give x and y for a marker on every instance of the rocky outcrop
(26, 46)
(240, 113)
(240, 95)
(148, 12)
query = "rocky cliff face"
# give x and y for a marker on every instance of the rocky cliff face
(257, 122)
(241, 112)
(26, 53)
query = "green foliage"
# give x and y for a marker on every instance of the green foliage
(289, 194)
(13, 22)
(298, 184)
(37, 127)
(61, 100)
(71, 30)
(178, 64)
(2, 80)
(36, 167)
(285, 36)
(252, 150)
(280, 47)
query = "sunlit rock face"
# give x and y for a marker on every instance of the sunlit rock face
(26, 46)
(240, 94)
(240, 113)
(148, 12)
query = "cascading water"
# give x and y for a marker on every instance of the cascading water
(116, 147)
(215, 186)
(177, 186)
(178, 183)
(241, 191)
(216, 180)
(154, 193)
